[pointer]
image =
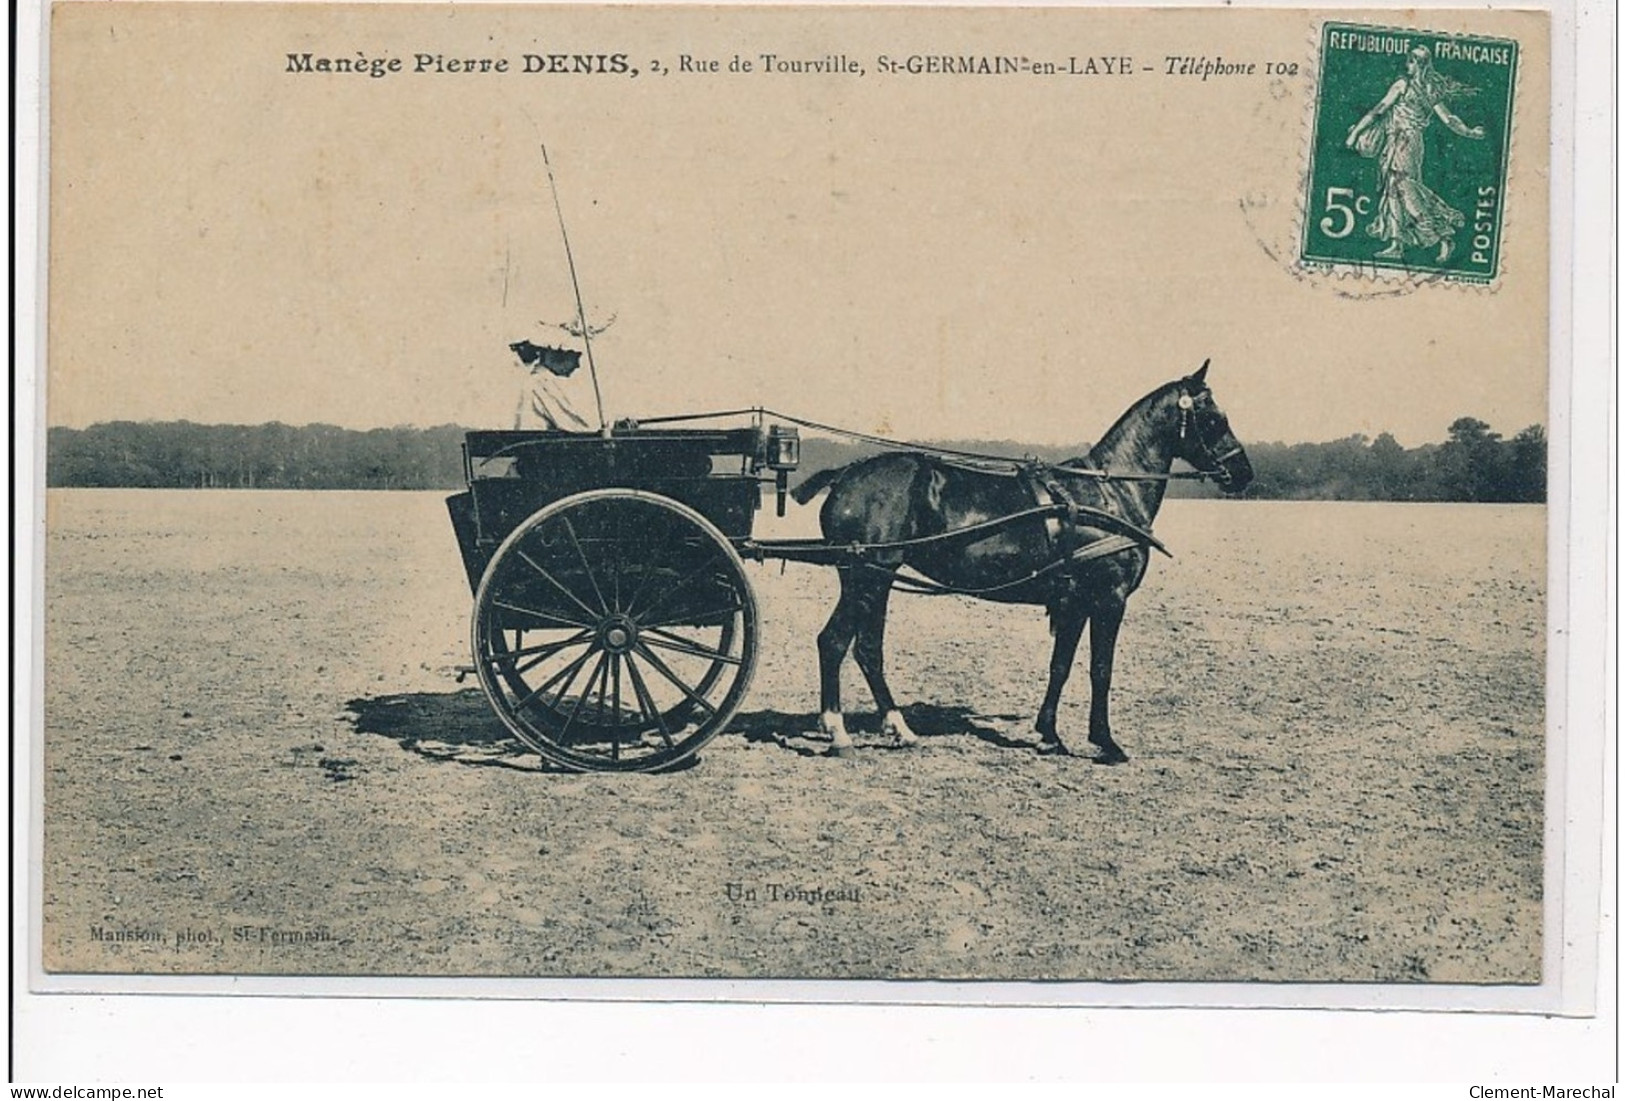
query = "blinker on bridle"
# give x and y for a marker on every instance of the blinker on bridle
(1187, 404)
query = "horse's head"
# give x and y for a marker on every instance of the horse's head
(1205, 439)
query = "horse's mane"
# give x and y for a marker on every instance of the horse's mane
(1093, 457)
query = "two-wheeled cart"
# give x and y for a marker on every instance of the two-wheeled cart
(614, 625)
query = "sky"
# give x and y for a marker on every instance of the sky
(917, 256)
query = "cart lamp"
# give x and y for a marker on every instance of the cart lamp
(783, 456)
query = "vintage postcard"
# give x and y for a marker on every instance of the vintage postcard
(1023, 498)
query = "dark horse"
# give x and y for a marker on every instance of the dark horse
(903, 496)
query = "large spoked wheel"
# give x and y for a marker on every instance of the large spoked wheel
(615, 630)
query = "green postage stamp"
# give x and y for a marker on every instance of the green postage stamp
(1408, 160)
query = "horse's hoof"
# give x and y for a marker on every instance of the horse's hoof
(895, 726)
(1053, 749)
(843, 751)
(1112, 756)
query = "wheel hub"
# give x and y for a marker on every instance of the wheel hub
(617, 634)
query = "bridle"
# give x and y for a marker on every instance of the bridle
(1214, 466)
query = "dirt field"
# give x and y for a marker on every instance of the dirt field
(257, 761)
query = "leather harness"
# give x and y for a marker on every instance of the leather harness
(1066, 517)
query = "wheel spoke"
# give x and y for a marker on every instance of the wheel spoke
(569, 671)
(718, 614)
(549, 616)
(665, 640)
(541, 653)
(586, 566)
(647, 702)
(592, 681)
(688, 579)
(649, 573)
(620, 562)
(557, 585)
(664, 670)
(583, 639)
(615, 695)
(564, 689)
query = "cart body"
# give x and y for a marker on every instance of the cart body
(614, 627)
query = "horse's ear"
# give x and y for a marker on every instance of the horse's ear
(1201, 374)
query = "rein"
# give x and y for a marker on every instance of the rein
(814, 550)
(978, 457)
(1133, 475)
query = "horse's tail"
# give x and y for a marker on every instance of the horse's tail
(817, 483)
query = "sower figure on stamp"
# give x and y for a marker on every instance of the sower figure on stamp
(1408, 212)
(544, 400)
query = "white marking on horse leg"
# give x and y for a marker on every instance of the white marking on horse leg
(831, 723)
(895, 725)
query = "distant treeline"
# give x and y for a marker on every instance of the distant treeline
(183, 455)
(1473, 464)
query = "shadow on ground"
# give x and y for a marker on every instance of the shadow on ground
(445, 726)
(799, 733)
(459, 727)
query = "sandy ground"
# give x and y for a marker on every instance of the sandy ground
(257, 761)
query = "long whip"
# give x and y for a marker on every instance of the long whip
(581, 310)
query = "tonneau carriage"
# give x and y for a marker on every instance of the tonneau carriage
(614, 627)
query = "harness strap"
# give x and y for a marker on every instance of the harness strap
(924, 586)
(1043, 491)
(819, 551)
(1069, 515)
